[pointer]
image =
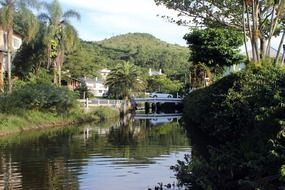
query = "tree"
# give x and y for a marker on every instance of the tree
(260, 20)
(61, 36)
(215, 48)
(125, 79)
(31, 57)
(162, 83)
(8, 12)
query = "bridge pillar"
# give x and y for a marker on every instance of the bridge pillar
(146, 107)
(158, 107)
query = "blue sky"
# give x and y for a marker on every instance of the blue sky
(101, 19)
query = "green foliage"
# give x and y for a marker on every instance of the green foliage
(38, 96)
(141, 49)
(163, 84)
(31, 57)
(237, 131)
(215, 47)
(53, 49)
(125, 79)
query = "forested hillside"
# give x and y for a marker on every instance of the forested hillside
(142, 49)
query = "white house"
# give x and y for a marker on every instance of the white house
(97, 85)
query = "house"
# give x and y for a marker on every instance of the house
(97, 85)
(151, 72)
(16, 44)
(70, 83)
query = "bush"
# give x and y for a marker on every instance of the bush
(40, 97)
(240, 121)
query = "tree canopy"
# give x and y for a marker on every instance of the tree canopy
(258, 19)
(215, 47)
(125, 79)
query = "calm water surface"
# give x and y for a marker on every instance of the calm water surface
(133, 154)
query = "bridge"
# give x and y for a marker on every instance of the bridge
(158, 100)
(100, 102)
(156, 119)
(157, 116)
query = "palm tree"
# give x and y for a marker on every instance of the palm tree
(61, 36)
(8, 12)
(125, 78)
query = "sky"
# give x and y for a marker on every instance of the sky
(102, 19)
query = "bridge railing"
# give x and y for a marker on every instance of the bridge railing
(170, 100)
(100, 102)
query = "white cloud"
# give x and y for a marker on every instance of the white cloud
(103, 19)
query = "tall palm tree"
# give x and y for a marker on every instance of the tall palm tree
(61, 36)
(8, 12)
(125, 79)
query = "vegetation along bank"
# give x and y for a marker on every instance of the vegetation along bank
(36, 105)
(241, 121)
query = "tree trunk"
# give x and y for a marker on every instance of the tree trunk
(262, 48)
(60, 63)
(279, 48)
(9, 60)
(250, 33)
(54, 72)
(244, 30)
(49, 57)
(1, 72)
(276, 11)
(270, 33)
(255, 31)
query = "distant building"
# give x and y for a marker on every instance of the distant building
(151, 72)
(97, 85)
(16, 44)
(70, 83)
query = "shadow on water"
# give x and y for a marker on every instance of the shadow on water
(248, 162)
(114, 155)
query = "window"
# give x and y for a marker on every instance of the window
(100, 91)
(16, 43)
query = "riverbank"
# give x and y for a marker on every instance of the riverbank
(35, 120)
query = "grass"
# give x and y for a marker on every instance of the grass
(25, 120)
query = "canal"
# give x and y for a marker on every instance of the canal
(134, 153)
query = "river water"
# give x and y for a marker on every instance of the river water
(133, 154)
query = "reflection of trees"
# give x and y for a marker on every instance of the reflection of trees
(142, 141)
(45, 159)
(39, 164)
(126, 134)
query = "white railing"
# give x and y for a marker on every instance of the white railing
(100, 102)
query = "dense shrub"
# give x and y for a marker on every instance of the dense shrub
(38, 96)
(237, 131)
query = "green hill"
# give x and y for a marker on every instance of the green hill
(142, 49)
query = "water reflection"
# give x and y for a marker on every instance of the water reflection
(127, 154)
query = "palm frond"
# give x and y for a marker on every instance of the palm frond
(71, 14)
(44, 17)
